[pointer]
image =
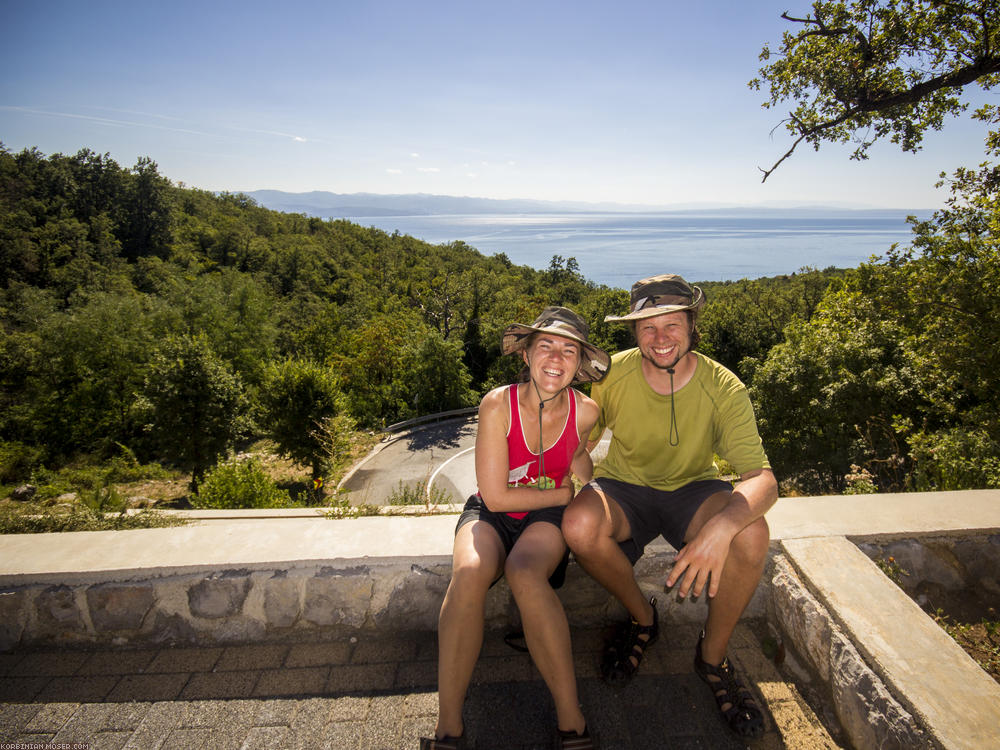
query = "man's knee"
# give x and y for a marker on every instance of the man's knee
(751, 544)
(582, 521)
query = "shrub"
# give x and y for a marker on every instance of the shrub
(955, 459)
(33, 518)
(125, 467)
(859, 481)
(416, 494)
(85, 476)
(17, 461)
(105, 499)
(240, 483)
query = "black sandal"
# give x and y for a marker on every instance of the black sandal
(624, 652)
(737, 705)
(445, 743)
(573, 741)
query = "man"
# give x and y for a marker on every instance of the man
(671, 410)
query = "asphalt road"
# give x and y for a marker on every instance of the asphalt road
(440, 456)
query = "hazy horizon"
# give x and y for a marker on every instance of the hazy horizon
(587, 206)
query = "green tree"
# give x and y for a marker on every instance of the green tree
(145, 223)
(234, 312)
(395, 367)
(195, 404)
(833, 395)
(565, 284)
(594, 307)
(868, 69)
(434, 376)
(298, 397)
(89, 371)
(912, 339)
(897, 372)
(744, 319)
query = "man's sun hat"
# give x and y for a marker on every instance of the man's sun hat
(561, 321)
(659, 295)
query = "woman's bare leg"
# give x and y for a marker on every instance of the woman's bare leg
(533, 559)
(477, 562)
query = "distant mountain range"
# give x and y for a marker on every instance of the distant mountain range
(328, 205)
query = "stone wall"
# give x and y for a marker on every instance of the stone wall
(241, 605)
(863, 705)
(222, 606)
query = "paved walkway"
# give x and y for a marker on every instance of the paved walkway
(371, 695)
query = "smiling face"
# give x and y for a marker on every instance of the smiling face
(552, 360)
(664, 339)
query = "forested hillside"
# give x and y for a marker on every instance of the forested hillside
(146, 319)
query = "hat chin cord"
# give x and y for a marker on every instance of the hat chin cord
(673, 436)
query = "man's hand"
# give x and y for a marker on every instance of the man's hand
(702, 559)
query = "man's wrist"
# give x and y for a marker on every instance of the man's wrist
(726, 522)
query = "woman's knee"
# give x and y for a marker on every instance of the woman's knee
(524, 572)
(472, 575)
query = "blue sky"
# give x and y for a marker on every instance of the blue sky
(633, 102)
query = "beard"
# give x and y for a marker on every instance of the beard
(653, 361)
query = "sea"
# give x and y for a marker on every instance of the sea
(616, 249)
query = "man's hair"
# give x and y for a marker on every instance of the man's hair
(692, 316)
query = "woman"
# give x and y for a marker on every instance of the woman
(511, 526)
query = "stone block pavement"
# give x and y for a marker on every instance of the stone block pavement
(373, 693)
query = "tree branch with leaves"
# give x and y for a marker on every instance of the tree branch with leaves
(861, 71)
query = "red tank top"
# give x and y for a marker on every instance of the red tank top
(523, 464)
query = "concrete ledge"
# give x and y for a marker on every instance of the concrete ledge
(864, 707)
(936, 680)
(887, 515)
(284, 514)
(266, 538)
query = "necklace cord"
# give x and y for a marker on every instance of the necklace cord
(541, 443)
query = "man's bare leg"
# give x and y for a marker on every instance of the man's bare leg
(740, 577)
(593, 524)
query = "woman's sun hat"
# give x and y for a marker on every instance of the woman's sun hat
(561, 321)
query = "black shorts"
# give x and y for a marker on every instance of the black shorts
(509, 528)
(651, 512)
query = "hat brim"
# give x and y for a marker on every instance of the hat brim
(649, 312)
(594, 362)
